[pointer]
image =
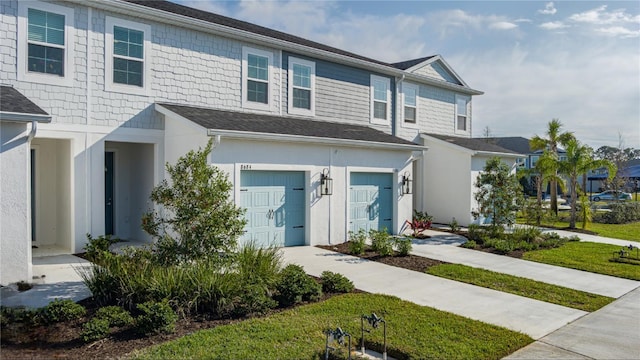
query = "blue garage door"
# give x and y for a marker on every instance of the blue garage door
(275, 207)
(371, 201)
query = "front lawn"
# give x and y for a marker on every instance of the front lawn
(587, 256)
(413, 331)
(521, 286)
(630, 231)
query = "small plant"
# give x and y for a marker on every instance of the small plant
(96, 247)
(95, 329)
(296, 286)
(335, 283)
(115, 315)
(10, 315)
(253, 300)
(357, 242)
(156, 317)
(469, 244)
(454, 226)
(477, 233)
(420, 222)
(381, 242)
(62, 310)
(403, 246)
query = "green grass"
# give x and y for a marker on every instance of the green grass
(413, 331)
(520, 286)
(630, 231)
(587, 256)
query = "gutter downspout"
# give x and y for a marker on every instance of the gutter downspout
(32, 133)
(396, 114)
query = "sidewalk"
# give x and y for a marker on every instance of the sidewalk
(532, 317)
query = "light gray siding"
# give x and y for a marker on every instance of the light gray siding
(437, 71)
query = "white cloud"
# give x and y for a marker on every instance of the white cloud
(619, 31)
(549, 9)
(601, 16)
(502, 25)
(522, 20)
(554, 25)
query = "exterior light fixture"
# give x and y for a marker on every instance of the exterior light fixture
(406, 183)
(326, 183)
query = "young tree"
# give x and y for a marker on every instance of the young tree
(542, 173)
(579, 161)
(497, 192)
(200, 221)
(619, 156)
(550, 143)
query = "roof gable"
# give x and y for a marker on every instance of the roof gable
(431, 66)
(473, 144)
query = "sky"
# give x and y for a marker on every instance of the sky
(577, 61)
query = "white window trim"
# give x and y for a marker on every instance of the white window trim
(312, 101)
(23, 49)
(109, 85)
(468, 116)
(246, 50)
(417, 90)
(373, 119)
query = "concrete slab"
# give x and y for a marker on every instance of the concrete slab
(541, 351)
(532, 317)
(570, 278)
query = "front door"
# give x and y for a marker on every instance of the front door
(109, 192)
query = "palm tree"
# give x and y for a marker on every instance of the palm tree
(542, 173)
(579, 161)
(554, 138)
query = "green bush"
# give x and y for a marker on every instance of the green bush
(454, 226)
(621, 213)
(96, 247)
(477, 233)
(381, 242)
(62, 310)
(95, 329)
(403, 246)
(115, 315)
(296, 286)
(528, 234)
(357, 242)
(469, 244)
(10, 315)
(253, 300)
(155, 317)
(335, 283)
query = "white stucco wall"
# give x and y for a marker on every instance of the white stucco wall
(15, 204)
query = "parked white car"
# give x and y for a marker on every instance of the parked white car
(610, 195)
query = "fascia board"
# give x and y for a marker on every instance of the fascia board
(168, 113)
(501, 154)
(22, 117)
(438, 58)
(449, 145)
(312, 140)
(205, 26)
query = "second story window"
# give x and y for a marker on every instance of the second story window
(410, 93)
(301, 86)
(45, 43)
(256, 79)
(461, 113)
(127, 56)
(380, 100)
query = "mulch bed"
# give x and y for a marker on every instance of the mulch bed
(410, 262)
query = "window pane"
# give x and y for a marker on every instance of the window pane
(120, 34)
(120, 64)
(462, 106)
(380, 110)
(410, 97)
(37, 17)
(462, 123)
(136, 37)
(45, 27)
(127, 42)
(135, 51)
(120, 48)
(257, 67)
(257, 92)
(37, 33)
(302, 99)
(380, 91)
(54, 54)
(127, 72)
(409, 114)
(55, 21)
(301, 76)
(45, 59)
(55, 36)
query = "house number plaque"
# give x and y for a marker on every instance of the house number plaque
(245, 167)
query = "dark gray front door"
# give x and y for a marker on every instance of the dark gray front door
(108, 192)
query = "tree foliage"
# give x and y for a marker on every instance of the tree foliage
(554, 138)
(198, 219)
(497, 192)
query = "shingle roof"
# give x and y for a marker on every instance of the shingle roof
(473, 144)
(12, 101)
(246, 26)
(404, 65)
(269, 124)
(518, 144)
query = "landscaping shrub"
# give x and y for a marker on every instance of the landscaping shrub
(403, 246)
(95, 329)
(62, 310)
(115, 316)
(357, 242)
(454, 226)
(381, 242)
(23, 286)
(335, 283)
(296, 286)
(253, 300)
(420, 222)
(256, 265)
(469, 244)
(477, 233)
(621, 213)
(528, 234)
(10, 315)
(96, 247)
(155, 317)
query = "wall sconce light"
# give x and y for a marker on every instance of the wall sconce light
(406, 183)
(326, 183)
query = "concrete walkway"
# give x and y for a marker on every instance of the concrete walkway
(570, 278)
(532, 317)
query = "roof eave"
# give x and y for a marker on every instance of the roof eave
(24, 117)
(201, 25)
(501, 154)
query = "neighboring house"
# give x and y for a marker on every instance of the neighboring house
(98, 95)
(452, 164)
(630, 172)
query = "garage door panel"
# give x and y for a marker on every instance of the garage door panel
(371, 201)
